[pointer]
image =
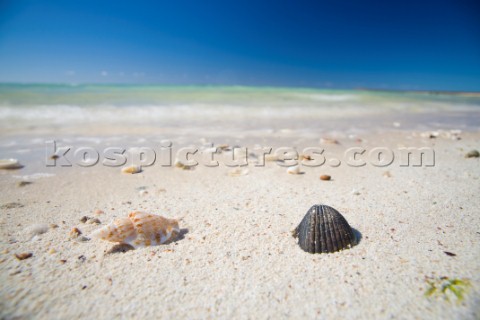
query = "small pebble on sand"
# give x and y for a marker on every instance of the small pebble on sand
(132, 169)
(93, 221)
(23, 183)
(184, 166)
(294, 170)
(75, 232)
(23, 256)
(325, 177)
(355, 192)
(99, 212)
(472, 154)
(89, 220)
(10, 164)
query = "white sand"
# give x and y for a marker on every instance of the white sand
(238, 259)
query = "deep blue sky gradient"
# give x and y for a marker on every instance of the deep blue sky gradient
(423, 45)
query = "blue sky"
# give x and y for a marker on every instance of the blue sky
(431, 45)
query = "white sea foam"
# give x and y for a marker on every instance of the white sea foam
(35, 176)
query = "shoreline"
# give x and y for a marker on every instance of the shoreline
(236, 257)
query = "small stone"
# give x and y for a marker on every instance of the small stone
(52, 251)
(75, 232)
(355, 192)
(53, 226)
(294, 170)
(94, 221)
(142, 193)
(54, 157)
(23, 256)
(325, 177)
(184, 166)
(23, 183)
(132, 169)
(84, 219)
(83, 239)
(472, 154)
(99, 212)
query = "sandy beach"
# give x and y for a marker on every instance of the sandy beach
(417, 225)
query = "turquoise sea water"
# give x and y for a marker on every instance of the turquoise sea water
(45, 104)
(126, 95)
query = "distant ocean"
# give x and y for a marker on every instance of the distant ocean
(45, 104)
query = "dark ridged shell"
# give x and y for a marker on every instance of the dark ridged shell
(324, 230)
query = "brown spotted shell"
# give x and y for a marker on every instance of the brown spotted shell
(324, 230)
(139, 229)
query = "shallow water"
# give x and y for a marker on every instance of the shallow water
(241, 108)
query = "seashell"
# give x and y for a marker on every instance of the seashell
(10, 164)
(324, 230)
(132, 169)
(294, 170)
(139, 229)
